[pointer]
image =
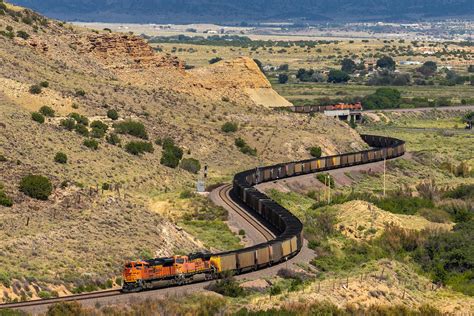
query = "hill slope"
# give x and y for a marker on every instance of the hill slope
(168, 11)
(99, 214)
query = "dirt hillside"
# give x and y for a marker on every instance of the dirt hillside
(98, 215)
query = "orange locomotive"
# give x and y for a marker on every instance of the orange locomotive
(146, 274)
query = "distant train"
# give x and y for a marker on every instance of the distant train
(288, 229)
(322, 108)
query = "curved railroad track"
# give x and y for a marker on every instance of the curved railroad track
(282, 232)
(224, 195)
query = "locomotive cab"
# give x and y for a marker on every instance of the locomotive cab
(133, 274)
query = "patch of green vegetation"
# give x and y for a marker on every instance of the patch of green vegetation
(37, 187)
(214, 234)
(326, 179)
(91, 143)
(113, 139)
(171, 154)
(138, 148)
(230, 127)
(68, 123)
(245, 148)
(191, 165)
(112, 114)
(60, 157)
(80, 119)
(315, 151)
(37, 117)
(227, 286)
(47, 111)
(132, 128)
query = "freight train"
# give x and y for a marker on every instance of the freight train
(288, 229)
(322, 108)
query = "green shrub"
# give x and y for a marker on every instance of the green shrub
(22, 34)
(37, 117)
(244, 148)
(44, 294)
(105, 186)
(47, 111)
(327, 179)
(190, 164)
(171, 154)
(227, 286)
(44, 84)
(186, 194)
(37, 187)
(35, 89)
(5, 200)
(99, 125)
(65, 308)
(113, 139)
(80, 119)
(239, 142)
(91, 143)
(132, 128)
(316, 152)
(435, 215)
(97, 133)
(404, 205)
(98, 129)
(169, 159)
(214, 60)
(248, 150)
(112, 114)
(230, 127)
(68, 123)
(138, 148)
(80, 93)
(81, 130)
(60, 158)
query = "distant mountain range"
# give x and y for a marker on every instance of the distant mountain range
(236, 11)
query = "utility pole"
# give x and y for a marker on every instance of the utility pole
(329, 189)
(384, 173)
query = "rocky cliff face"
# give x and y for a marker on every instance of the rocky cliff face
(118, 51)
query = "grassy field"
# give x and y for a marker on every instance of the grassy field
(327, 56)
(301, 93)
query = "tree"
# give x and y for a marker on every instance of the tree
(37, 187)
(112, 114)
(386, 62)
(348, 65)
(428, 69)
(37, 117)
(337, 76)
(470, 68)
(60, 158)
(282, 78)
(383, 98)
